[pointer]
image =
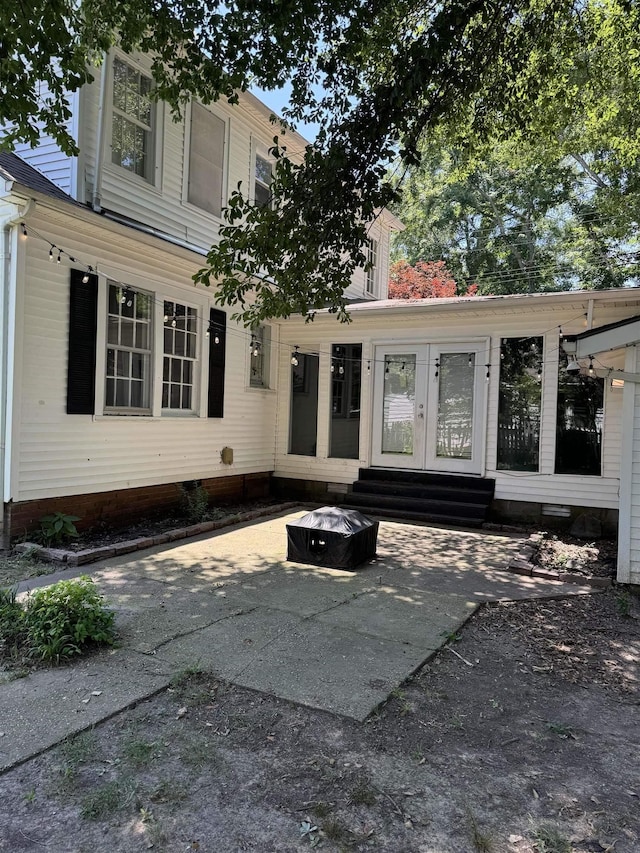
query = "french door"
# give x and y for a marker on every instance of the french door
(429, 406)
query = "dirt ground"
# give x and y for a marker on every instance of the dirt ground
(522, 735)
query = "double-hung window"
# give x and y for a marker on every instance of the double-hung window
(132, 120)
(129, 341)
(206, 160)
(371, 272)
(262, 182)
(142, 352)
(179, 359)
(259, 357)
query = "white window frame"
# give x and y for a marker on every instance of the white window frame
(153, 179)
(181, 318)
(187, 162)
(263, 335)
(258, 150)
(160, 293)
(371, 277)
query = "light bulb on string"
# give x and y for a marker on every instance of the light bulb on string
(437, 373)
(470, 362)
(85, 278)
(333, 367)
(539, 373)
(488, 376)
(24, 230)
(591, 368)
(51, 254)
(368, 366)
(341, 370)
(294, 356)
(256, 349)
(560, 334)
(59, 259)
(174, 321)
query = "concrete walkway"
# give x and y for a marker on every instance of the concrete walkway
(230, 604)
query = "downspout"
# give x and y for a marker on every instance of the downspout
(96, 198)
(8, 294)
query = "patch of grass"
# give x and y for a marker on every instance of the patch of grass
(561, 730)
(335, 830)
(321, 809)
(139, 752)
(547, 839)
(199, 754)
(79, 749)
(623, 603)
(108, 798)
(171, 792)
(363, 794)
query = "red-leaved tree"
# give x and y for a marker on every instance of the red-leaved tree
(424, 280)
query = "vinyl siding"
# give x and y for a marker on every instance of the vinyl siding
(48, 158)
(456, 323)
(60, 454)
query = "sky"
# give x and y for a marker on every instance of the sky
(276, 100)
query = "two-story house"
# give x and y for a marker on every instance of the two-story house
(121, 380)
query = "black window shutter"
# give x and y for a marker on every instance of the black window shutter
(217, 352)
(83, 325)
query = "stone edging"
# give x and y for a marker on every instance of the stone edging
(522, 564)
(91, 555)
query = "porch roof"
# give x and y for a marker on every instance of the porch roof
(612, 336)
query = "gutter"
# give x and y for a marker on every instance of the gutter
(96, 196)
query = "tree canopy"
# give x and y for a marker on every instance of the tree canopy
(391, 73)
(424, 280)
(523, 218)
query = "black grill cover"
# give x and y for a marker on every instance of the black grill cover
(332, 537)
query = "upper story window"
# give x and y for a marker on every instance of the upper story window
(262, 181)
(133, 120)
(206, 160)
(371, 254)
(259, 358)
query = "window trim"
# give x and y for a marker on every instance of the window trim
(267, 359)
(159, 292)
(152, 182)
(371, 277)
(258, 149)
(187, 162)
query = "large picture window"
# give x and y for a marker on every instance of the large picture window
(519, 404)
(132, 120)
(346, 379)
(580, 416)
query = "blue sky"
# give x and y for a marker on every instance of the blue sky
(279, 98)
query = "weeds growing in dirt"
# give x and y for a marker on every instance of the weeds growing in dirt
(547, 839)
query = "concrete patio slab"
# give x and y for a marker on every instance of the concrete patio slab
(229, 603)
(334, 669)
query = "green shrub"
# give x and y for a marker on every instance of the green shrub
(195, 503)
(12, 623)
(64, 618)
(57, 528)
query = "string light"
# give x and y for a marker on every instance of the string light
(488, 366)
(294, 356)
(591, 370)
(470, 360)
(560, 335)
(437, 368)
(59, 256)
(24, 231)
(539, 373)
(51, 254)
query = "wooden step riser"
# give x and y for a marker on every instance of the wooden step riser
(451, 494)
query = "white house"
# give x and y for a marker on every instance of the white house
(122, 381)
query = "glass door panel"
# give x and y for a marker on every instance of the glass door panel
(455, 406)
(399, 404)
